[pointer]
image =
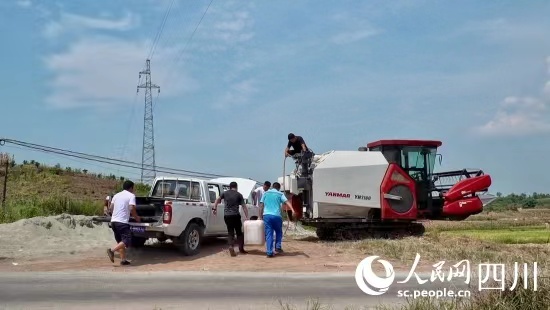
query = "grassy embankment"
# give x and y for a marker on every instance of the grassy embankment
(37, 190)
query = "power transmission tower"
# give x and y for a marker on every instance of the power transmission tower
(148, 171)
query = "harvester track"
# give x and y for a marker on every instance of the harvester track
(346, 232)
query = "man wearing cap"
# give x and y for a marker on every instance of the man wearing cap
(299, 146)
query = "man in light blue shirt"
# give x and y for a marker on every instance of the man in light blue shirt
(271, 206)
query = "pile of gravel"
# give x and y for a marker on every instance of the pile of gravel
(53, 235)
(297, 230)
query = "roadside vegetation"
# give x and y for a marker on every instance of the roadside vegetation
(496, 237)
(518, 298)
(35, 189)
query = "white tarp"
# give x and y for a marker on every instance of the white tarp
(245, 186)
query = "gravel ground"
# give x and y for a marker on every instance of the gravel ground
(46, 237)
(58, 237)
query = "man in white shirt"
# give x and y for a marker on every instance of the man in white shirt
(259, 192)
(122, 205)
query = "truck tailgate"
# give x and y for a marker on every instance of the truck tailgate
(144, 220)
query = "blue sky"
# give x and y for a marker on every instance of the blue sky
(474, 74)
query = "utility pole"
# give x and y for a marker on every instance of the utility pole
(148, 170)
(4, 163)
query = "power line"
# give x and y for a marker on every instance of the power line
(180, 55)
(107, 160)
(177, 57)
(81, 162)
(193, 34)
(161, 29)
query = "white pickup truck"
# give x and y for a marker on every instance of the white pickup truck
(180, 209)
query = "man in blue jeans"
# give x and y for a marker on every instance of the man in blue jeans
(271, 206)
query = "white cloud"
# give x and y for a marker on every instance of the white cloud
(76, 23)
(24, 3)
(353, 29)
(101, 72)
(502, 31)
(353, 36)
(239, 94)
(225, 27)
(519, 116)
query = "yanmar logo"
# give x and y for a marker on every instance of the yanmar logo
(339, 195)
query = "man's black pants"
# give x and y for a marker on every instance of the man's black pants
(234, 226)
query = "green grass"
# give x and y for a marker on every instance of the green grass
(22, 209)
(39, 190)
(490, 221)
(515, 235)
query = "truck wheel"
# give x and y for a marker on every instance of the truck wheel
(138, 242)
(189, 242)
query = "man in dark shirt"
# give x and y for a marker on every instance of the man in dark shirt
(297, 143)
(299, 146)
(232, 217)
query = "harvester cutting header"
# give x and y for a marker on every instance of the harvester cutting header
(381, 190)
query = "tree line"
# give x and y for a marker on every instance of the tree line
(521, 200)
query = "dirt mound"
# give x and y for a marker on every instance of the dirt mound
(50, 236)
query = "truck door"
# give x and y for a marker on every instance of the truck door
(216, 222)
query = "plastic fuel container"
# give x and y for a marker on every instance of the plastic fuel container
(254, 233)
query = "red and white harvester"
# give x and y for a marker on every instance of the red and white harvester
(382, 190)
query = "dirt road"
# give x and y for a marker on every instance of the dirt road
(177, 290)
(75, 243)
(193, 290)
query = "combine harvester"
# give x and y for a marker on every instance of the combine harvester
(382, 191)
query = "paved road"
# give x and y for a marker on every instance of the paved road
(187, 290)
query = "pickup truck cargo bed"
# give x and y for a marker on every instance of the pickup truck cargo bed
(148, 208)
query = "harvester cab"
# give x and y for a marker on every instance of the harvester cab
(450, 194)
(417, 158)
